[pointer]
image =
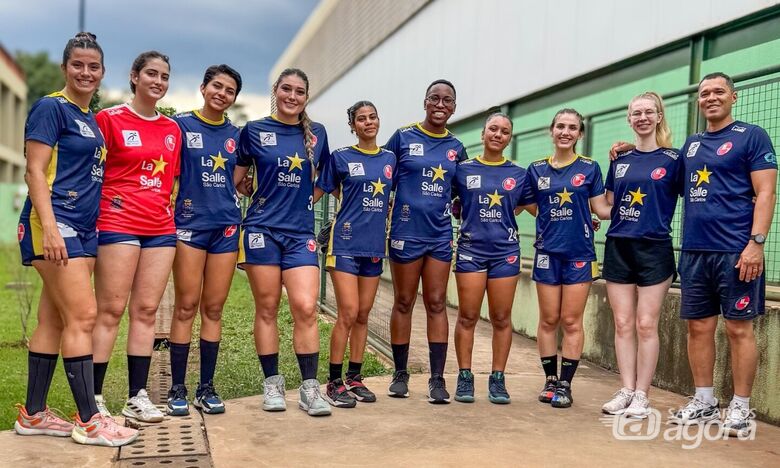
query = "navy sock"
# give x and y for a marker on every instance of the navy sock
(354, 369)
(437, 353)
(400, 356)
(308, 364)
(40, 370)
(138, 373)
(270, 364)
(568, 368)
(79, 371)
(208, 360)
(179, 355)
(99, 374)
(550, 366)
(335, 370)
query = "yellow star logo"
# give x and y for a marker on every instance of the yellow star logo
(704, 176)
(219, 161)
(103, 152)
(637, 197)
(295, 162)
(565, 196)
(438, 173)
(159, 166)
(379, 187)
(495, 198)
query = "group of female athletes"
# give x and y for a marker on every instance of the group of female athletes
(164, 195)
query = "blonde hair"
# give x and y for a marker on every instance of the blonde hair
(663, 134)
(305, 121)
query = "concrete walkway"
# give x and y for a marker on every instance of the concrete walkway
(404, 432)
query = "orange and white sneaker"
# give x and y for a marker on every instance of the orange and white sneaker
(102, 430)
(44, 422)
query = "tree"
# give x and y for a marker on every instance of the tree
(43, 75)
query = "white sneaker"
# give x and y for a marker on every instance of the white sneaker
(696, 411)
(273, 394)
(141, 408)
(639, 407)
(739, 420)
(619, 402)
(101, 406)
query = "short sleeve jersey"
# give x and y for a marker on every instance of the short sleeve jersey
(284, 176)
(646, 186)
(365, 180)
(489, 193)
(141, 166)
(426, 165)
(563, 220)
(207, 198)
(718, 189)
(75, 171)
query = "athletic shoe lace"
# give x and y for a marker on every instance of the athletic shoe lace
(313, 393)
(356, 381)
(143, 401)
(272, 391)
(499, 386)
(737, 412)
(401, 376)
(437, 382)
(694, 404)
(179, 392)
(207, 392)
(465, 384)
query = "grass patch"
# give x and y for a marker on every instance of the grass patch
(238, 370)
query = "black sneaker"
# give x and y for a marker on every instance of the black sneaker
(359, 390)
(562, 397)
(337, 395)
(437, 390)
(399, 387)
(177, 401)
(547, 393)
(464, 390)
(497, 389)
(207, 399)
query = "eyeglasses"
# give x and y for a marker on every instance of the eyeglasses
(638, 114)
(446, 100)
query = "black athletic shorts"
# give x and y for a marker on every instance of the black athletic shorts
(638, 261)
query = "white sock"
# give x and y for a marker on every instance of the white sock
(741, 399)
(706, 394)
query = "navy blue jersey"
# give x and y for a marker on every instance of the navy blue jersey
(489, 193)
(207, 197)
(718, 190)
(426, 164)
(365, 179)
(284, 176)
(563, 223)
(75, 172)
(646, 186)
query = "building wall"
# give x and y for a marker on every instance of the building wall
(496, 51)
(13, 111)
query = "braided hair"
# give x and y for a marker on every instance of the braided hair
(305, 120)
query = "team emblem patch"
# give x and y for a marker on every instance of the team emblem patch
(578, 179)
(692, 149)
(388, 171)
(473, 182)
(84, 129)
(543, 262)
(356, 169)
(230, 145)
(512, 259)
(184, 235)
(397, 244)
(311, 245)
(725, 148)
(170, 142)
(267, 139)
(194, 139)
(20, 232)
(543, 183)
(658, 173)
(770, 158)
(579, 265)
(229, 231)
(509, 183)
(452, 154)
(375, 259)
(416, 149)
(620, 170)
(742, 302)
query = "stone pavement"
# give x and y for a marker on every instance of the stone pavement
(405, 432)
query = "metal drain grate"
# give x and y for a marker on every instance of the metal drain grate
(167, 439)
(189, 461)
(160, 377)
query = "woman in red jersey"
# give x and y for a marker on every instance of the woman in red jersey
(137, 236)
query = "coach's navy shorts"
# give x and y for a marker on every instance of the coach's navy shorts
(710, 286)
